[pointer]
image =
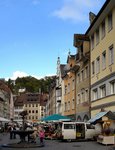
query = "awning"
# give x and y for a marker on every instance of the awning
(99, 116)
(56, 117)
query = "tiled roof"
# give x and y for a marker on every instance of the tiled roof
(4, 87)
(30, 98)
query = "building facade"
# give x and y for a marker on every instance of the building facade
(81, 42)
(33, 103)
(5, 100)
(102, 51)
(59, 87)
(69, 88)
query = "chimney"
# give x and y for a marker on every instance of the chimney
(92, 16)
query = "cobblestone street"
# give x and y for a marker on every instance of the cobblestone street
(56, 145)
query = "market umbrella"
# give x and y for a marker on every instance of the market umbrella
(56, 117)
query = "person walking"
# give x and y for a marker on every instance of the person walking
(41, 136)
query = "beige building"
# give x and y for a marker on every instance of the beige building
(34, 103)
(82, 77)
(102, 50)
(6, 101)
(69, 88)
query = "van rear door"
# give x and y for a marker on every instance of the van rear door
(69, 131)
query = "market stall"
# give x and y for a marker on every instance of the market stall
(107, 124)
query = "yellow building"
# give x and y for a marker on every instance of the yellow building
(81, 42)
(102, 50)
(33, 103)
(69, 88)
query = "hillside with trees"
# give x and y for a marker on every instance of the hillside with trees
(31, 84)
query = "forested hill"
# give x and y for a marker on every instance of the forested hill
(31, 84)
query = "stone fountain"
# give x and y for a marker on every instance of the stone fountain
(23, 133)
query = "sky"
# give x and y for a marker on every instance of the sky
(33, 33)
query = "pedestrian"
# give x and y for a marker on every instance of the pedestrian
(14, 134)
(41, 136)
(11, 132)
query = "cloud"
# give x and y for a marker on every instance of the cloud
(77, 10)
(21, 74)
(17, 74)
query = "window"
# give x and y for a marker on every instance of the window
(92, 42)
(65, 106)
(110, 22)
(103, 91)
(69, 126)
(36, 111)
(32, 111)
(73, 84)
(95, 94)
(86, 95)
(83, 96)
(93, 68)
(103, 29)
(90, 126)
(97, 36)
(112, 87)
(78, 78)
(65, 89)
(111, 55)
(29, 111)
(98, 65)
(73, 104)
(82, 75)
(68, 87)
(36, 105)
(29, 105)
(86, 72)
(68, 105)
(32, 105)
(78, 99)
(104, 60)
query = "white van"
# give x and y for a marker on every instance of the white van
(77, 130)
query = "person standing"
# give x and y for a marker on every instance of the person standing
(41, 136)
(11, 132)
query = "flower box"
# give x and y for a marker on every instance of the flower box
(106, 140)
